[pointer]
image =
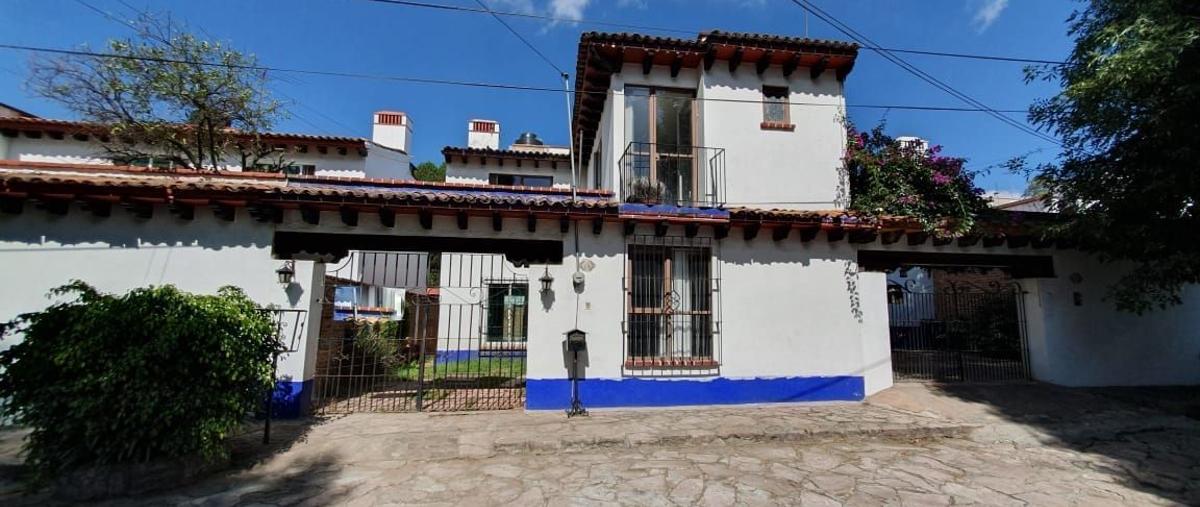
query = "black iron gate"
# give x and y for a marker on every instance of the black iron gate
(961, 333)
(407, 332)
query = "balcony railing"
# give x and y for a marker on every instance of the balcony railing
(673, 175)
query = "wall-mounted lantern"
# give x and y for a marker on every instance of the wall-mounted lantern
(287, 272)
(547, 281)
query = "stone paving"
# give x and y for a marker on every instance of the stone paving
(885, 452)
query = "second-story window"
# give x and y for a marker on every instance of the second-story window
(775, 107)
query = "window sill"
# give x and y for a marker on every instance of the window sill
(671, 362)
(775, 125)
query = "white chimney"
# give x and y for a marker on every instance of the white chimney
(392, 129)
(483, 134)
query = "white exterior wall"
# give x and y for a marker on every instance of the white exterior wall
(1094, 344)
(800, 169)
(379, 162)
(474, 173)
(39, 251)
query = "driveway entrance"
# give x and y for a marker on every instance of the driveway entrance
(407, 331)
(956, 326)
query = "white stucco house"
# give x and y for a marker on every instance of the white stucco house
(705, 250)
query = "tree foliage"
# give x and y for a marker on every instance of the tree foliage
(154, 373)
(168, 95)
(887, 177)
(429, 171)
(1128, 114)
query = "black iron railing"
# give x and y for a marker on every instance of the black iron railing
(673, 175)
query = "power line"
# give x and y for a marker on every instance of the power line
(471, 84)
(924, 76)
(518, 35)
(545, 17)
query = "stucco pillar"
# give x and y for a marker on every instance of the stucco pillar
(876, 338)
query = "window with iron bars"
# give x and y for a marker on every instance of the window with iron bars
(672, 305)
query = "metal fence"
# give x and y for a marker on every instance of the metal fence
(414, 332)
(672, 174)
(964, 334)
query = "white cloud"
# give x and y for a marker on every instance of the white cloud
(521, 6)
(987, 13)
(570, 9)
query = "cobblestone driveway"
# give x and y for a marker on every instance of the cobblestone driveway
(1054, 448)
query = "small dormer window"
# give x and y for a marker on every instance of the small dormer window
(775, 108)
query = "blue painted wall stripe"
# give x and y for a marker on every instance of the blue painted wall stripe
(547, 394)
(291, 398)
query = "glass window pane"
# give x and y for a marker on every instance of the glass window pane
(637, 115)
(673, 121)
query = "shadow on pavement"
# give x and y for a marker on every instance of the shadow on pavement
(1150, 442)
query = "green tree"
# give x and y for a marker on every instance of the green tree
(887, 177)
(429, 171)
(1128, 114)
(168, 95)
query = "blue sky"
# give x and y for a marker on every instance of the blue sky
(372, 38)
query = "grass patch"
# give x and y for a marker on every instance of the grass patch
(475, 368)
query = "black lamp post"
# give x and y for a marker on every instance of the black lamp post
(576, 343)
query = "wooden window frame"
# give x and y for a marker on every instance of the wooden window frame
(776, 92)
(652, 125)
(665, 360)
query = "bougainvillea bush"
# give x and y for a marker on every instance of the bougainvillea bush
(888, 178)
(156, 373)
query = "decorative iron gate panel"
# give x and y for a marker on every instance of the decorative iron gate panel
(962, 334)
(410, 332)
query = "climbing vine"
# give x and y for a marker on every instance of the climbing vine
(889, 177)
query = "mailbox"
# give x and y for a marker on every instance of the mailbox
(576, 340)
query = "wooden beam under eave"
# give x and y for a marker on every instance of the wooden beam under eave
(835, 234)
(808, 234)
(860, 236)
(781, 232)
(691, 229)
(425, 218)
(531, 223)
(942, 240)
(58, 207)
(349, 215)
(844, 70)
(597, 225)
(224, 212)
(661, 227)
(182, 210)
(750, 231)
(710, 57)
(140, 209)
(968, 240)
(387, 217)
(99, 208)
(818, 68)
(266, 213)
(763, 63)
(890, 237)
(564, 224)
(676, 64)
(497, 222)
(735, 60)
(647, 62)
(790, 66)
(462, 220)
(1018, 241)
(917, 238)
(310, 215)
(993, 241)
(628, 227)
(721, 231)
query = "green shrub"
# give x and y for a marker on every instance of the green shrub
(154, 373)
